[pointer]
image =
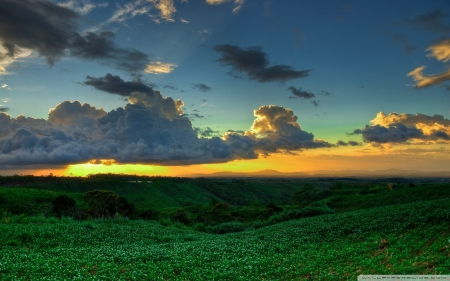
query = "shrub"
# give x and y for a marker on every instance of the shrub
(63, 205)
(126, 209)
(148, 214)
(181, 216)
(101, 203)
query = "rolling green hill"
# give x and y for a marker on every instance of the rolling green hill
(399, 239)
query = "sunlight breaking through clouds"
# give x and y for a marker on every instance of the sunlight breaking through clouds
(159, 68)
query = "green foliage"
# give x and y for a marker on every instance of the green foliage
(337, 186)
(225, 227)
(341, 246)
(149, 214)
(304, 196)
(63, 205)
(181, 216)
(107, 204)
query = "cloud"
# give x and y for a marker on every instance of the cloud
(129, 10)
(170, 86)
(300, 93)
(255, 64)
(201, 87)
(100, 47)
(165, 9)
(425, 81)
(183, 20)
(433, 20)
(206, 132)
(441, 52)
(5, 86)
(82, 7)
(349, 143)
(50, 30)
(72, 113)
(137, 92)
(4, 109)
(159, 68)
(402, 128)
(315, 102)
(141, 132)
(276, 127)
(36, 25)
(237, 3)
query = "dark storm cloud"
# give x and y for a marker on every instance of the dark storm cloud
(300, 93)
(143, 131)
(255, 64)
(100, 47)
(38, 25)
(115, 85)
(201, 87)
(137, 91)
(398, 128)
(50, 30)
(394, 133)
(434, 20)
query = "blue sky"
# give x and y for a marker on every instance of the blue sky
(346, 60)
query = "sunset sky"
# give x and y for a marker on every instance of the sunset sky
(175, 87)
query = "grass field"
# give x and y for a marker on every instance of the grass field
(411, 238)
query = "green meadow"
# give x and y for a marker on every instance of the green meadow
(281, 230)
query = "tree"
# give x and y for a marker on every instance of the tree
(63, 205)
(181, 216)
(101, 203)
(126, 209)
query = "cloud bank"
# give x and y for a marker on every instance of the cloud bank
(255, 64)
(150, 129)
(404, 128)
(51, 31)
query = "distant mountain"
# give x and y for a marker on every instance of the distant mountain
(323, 173)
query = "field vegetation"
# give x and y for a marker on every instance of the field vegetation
(98, 228)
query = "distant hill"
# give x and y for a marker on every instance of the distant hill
(324, 173)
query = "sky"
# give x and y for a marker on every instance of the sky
(179, 87)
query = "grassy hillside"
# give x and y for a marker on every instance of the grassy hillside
(399, 239)
(161, 192)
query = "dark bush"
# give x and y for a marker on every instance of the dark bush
(126, 209)
(274, 207)
(181, 216)
(221, 208)
(101, 203)
(148, 214)
(64, 206)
